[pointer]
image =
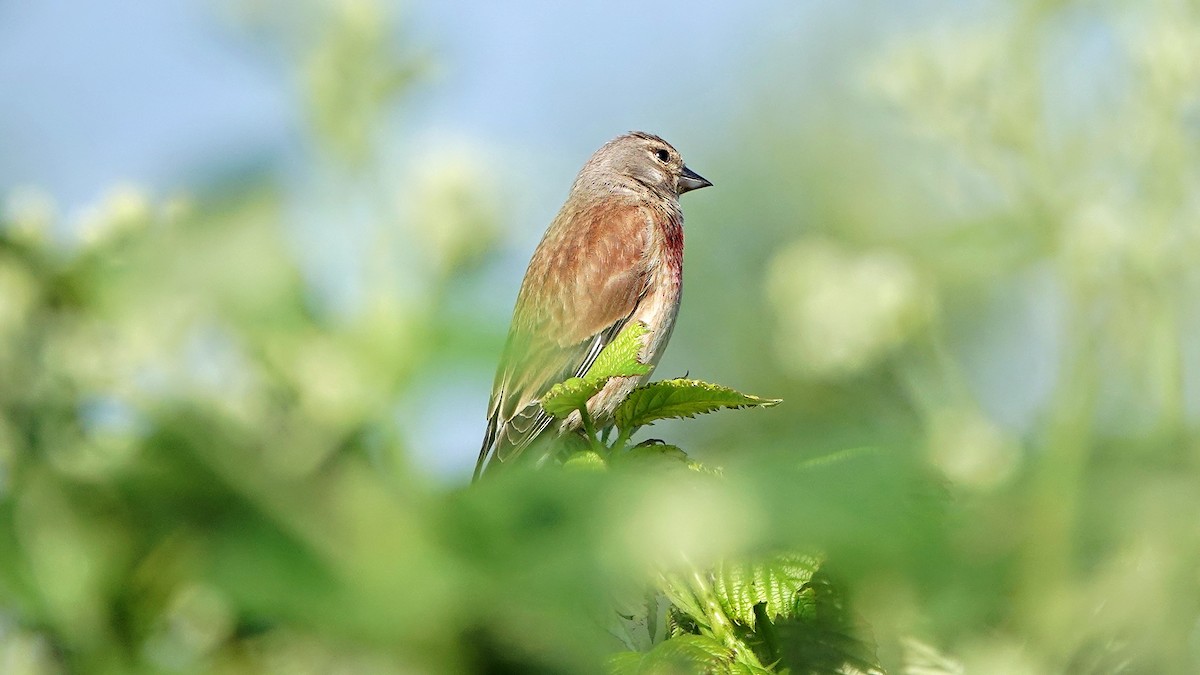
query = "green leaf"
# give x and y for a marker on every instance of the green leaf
(659, 455)
(825, 637)
(777, 582)
(625, 663)
(813, 633)
(740, 668)
(682, 654)
(656, 452)
(619, 358)
(681, 398)
(569, 395)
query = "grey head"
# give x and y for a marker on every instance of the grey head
(642, 158)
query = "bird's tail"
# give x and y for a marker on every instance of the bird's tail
(489, 442)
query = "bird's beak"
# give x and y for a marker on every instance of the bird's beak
(690, 180)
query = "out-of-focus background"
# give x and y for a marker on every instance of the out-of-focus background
(258, 259)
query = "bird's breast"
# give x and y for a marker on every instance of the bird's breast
(659, 307)
(656, 310)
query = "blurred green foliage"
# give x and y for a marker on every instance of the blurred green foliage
(205, 469)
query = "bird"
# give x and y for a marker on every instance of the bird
(613, 255)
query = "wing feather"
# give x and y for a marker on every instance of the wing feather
(583, 284)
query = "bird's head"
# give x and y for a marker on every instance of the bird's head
(646, 159)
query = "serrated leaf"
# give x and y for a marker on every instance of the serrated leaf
(682, 654)
(569, 395)
(640, 619)
(815, 648)
(663, 456)
(681, 398)
(819, 634)
(777, 582)
(656, 452)
(619, 358)
(739, 668)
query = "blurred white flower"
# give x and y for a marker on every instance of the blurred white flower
(1094, 242)
(98, 355)
(352, 73)
(449, 209)
(29, 212)
(840, 312)
(949, 79)
(123, 208)
(1163, 43)
(969, 449)
(944, 59)
(332, 386)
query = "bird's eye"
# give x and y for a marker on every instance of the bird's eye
(661, 155)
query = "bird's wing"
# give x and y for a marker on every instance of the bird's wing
(582, 286)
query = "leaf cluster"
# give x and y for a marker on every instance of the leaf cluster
(773, 614)
(154, 522)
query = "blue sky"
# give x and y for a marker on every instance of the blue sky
(166, 94)
(155, 92)
(96, 92)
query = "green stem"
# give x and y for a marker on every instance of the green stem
(622, 440)
(590, 429)
(721, 624)
(765, 628)
(679, 593)
(700, 600)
